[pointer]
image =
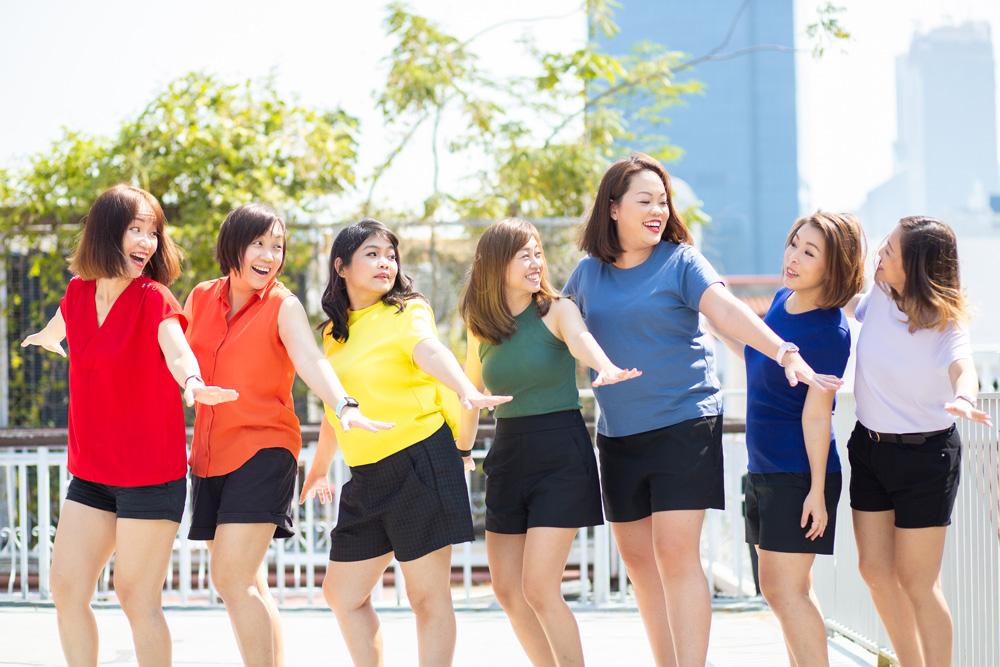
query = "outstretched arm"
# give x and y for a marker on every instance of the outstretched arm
(313, 367)
(965, 385)
(51, 337)
(816, 433)
(183, 365)
(734, 318)
(433, 358)
(572, 330)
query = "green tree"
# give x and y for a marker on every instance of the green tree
(202, 146)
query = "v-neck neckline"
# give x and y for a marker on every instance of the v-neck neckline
(99, 324)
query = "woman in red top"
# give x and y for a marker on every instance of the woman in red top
(249, 332)
(126, 423)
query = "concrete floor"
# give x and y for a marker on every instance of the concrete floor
(203, 638)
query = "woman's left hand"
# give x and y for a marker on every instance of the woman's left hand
(814, 506)
(479, 400)
(353, 418)
(468, 463)
(614, 374)
(962, 408)
(797, 370)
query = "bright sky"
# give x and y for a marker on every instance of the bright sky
(87, 66)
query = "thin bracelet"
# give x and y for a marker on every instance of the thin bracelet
(188, 379)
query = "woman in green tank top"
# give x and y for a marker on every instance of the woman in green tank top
(541, 473)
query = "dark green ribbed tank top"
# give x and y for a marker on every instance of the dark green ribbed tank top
(533, 366)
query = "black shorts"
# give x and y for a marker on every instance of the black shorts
(259, 491)
(412, 503)
(541, 471)
(677, 467)
(919, 482)
(774, 512)
(154, 501)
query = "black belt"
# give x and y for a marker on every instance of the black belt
(907, 438)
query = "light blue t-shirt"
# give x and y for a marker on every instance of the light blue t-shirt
(646, 317)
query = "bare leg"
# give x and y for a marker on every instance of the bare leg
(142, 555)
(677, 545)
(545, 554)
(635, 542)
(875, 535)
(347, 588)
(85, 539)
(786, 582)
(428, 587)
(237, 554)
(506, 558)
(918, 564)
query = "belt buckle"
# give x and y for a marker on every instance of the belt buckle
(874, 435)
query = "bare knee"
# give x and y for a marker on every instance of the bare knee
(542, 596)
(341, 599)
(878, 574)
(639, 561)
(675, 558)
(231, 584)
(509, 593)
(428, 603)
(917, 585)
(137, 599)
(69, 588)
(782, 594)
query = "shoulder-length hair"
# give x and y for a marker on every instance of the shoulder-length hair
(335, 302)
(99, 254)
(484, 300)
(844, 253)
(932, 295)
(243, 226)
(600, 234)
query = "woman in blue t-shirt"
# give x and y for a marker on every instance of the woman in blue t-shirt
(794, 483)
(641, 291)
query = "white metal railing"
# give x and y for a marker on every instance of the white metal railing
(970, 573)
(31, 476)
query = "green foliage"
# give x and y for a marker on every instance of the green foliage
(202, 146)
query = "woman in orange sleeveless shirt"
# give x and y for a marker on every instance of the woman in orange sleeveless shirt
(248, 328)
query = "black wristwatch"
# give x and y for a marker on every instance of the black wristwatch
(343, 404)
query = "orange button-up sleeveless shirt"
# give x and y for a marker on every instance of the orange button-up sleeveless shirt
(245, 354)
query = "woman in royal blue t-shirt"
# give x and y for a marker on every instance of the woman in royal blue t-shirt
(794, 483)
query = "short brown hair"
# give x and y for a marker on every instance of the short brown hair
(932, 295)
(242, 227)
(484, 300)
(99, 253)
(600, 235)
(845, 255)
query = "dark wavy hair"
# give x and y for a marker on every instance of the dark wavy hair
(932, 296)
(335, 302)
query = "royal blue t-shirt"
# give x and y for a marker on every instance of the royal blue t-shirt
(774, 410)
(646, 317)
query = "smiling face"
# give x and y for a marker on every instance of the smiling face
(804, 265)
(890, 262)
(524, 272)
(372, 270)
(262, 259)
(641, 213)
(140, 241)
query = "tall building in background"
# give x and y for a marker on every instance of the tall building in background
(946, 144)
(739, 136)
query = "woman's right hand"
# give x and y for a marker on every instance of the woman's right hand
(196, 391)
(45, 340)
(797, 370)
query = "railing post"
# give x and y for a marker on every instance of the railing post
(44, 522)
(602, 569)
(184, 550)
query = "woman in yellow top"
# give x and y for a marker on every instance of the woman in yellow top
(407, 495)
